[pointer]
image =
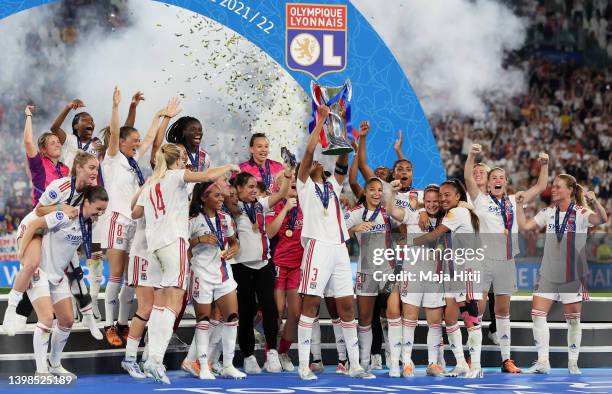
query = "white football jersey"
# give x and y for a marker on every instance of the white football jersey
(59, 244)
(166, 207)
(330, 228)
(557, 265)
(208, 255)
(375, 238)
(121, 183)
(492, 227)
(254, 244)
(72, 146)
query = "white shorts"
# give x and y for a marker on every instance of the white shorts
(143, 273)
(41, 287)
(204, 291)
(119, 232)
(97, 230)
(422, 294)
(567, 293)
(171, 261)
(323, 265)
(501, 274)
(366, 285)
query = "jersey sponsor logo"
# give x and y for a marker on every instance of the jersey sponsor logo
(402, 203)
(52, 195)
(73, 239)
(59, 215)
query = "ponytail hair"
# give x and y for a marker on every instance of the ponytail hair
(167, 155)
(80, 160)
(124, 132)
(577, 190)
(460, 189)
(95, 193)
(199, 191)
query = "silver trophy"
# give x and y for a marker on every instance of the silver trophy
(336, 98)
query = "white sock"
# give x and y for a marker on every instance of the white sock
(145, 351)
(192, 353)
(304, 338)
(475, 344)
(408, 327)
(155, 331)
(14, 297)
(228, 337)
(349, 331)
(215, 330)
(364, 333)
(201, 340)
(315, 344)
(455, 341)
(574, 335)
(95, 278)
(111, 299)
(126, 302)
(340, 344)
(434, 337)
(167, 320)
(59, 337)
(131, 348)
(503, 335)
(395, 339)
(541, 334)
(384, 325)
(89, 321)
(41, 344)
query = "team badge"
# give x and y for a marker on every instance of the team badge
(59, 215)
(52, 195)
(313, 285)
(316, 38)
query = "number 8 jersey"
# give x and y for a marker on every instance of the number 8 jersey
(166, 208)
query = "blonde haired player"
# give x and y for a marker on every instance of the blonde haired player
(166, 204)
(499, 237)
(563, 269)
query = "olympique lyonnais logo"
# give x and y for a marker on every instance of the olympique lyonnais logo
(316, 39)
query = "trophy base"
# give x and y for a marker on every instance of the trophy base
(337, 150)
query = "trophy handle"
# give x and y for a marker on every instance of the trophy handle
(349, 89)
(315, 93)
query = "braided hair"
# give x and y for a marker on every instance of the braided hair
(176, 131)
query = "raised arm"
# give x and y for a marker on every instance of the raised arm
(171, 110)
(313, 140)
(468, 172)
(28, 138)
(136, 99)
(395, 212)
(362, 159)
(210, 174)
(341, 168)
(398, 146)
(151, 133)
(539, 187)
(599, 216)
(56, 127)
(353, 182)
(522, 221)
(276, 197)
(42, 210)
(113, 142)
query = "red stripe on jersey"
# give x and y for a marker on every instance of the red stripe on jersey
(136, 273)
(64, 186)
(182, 254)
(306, 273)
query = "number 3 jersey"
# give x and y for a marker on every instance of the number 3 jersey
(166, 208)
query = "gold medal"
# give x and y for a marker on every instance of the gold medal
(254, 227)
(325, 212)
(289, 233)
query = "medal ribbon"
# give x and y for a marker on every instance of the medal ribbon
(324, 195)
(134, 164)
(507, 215)
(85, 233)
(292, 217)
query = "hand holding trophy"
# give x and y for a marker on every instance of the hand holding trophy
(337, 124)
